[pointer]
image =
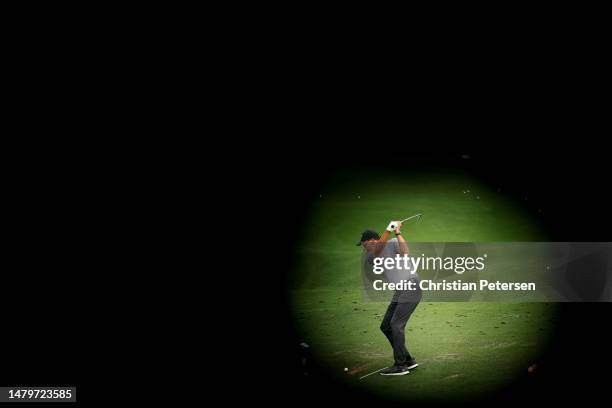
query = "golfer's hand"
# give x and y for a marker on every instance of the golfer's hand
(397, 228)
(393, 225)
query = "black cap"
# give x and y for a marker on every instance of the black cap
(367, 235)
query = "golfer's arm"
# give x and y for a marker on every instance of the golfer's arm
(381, 243)
(403, 245)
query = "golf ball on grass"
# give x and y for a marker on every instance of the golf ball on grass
(346, 369)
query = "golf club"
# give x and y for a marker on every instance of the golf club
(373, 372)
(393, 226)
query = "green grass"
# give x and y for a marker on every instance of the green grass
(466, 349)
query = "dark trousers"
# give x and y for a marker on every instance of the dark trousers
(393, 326)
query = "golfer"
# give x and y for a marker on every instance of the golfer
(403, 302)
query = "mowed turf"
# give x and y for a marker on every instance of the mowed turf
(465, 349)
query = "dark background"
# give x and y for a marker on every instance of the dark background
(50, 275)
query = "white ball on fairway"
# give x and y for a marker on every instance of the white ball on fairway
(345, 369)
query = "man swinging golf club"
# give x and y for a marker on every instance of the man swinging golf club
(403, 303)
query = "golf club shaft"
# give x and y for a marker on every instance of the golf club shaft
(409, 218)
(373, 372)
